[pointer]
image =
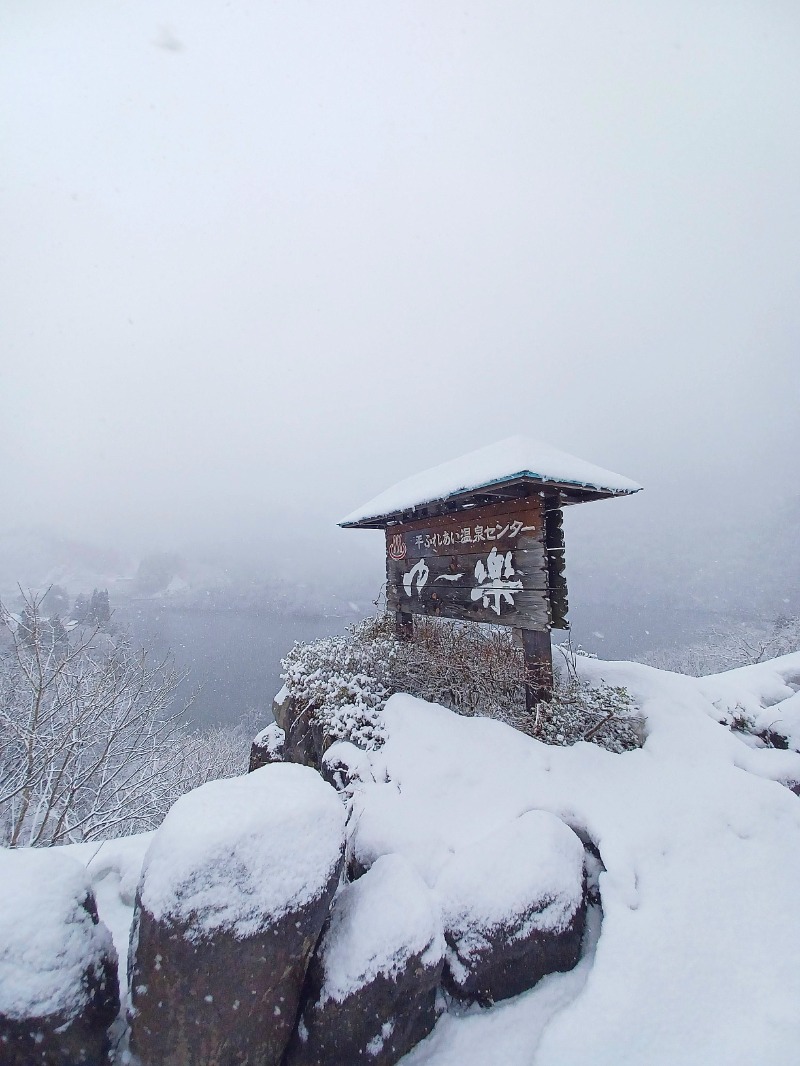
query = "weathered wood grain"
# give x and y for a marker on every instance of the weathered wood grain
(528, 610)
(484, 564)
(538, 654)
(453, 571)
(504, 526)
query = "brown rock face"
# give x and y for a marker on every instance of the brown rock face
(221, 1001)
(305, 741)
(235, 888)
(514, 908)
(61, 1040)
(267, 747)
(371, 990)
(378, 1023)
(507, 964)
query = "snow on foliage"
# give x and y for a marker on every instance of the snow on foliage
(48, 939)
(236, 854)
(91, 744)
(471, 668)
(345, 679)
(378, 924)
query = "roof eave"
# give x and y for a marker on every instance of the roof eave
(431, 508)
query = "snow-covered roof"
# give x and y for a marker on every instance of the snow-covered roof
(508, 460)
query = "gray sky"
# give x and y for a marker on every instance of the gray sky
(261, 260)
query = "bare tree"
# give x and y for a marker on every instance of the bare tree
(729, 646)
(89, 747)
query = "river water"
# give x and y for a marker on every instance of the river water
(233, 656)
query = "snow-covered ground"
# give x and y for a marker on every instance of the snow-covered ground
(695, 959)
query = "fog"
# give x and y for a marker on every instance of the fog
(260, 261)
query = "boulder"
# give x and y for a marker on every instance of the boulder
(383, 824)
(234, 892)
(59, 990)
(267, 747)
(514, 906)
(371, 989)
(304, 740)
(280, 707)
(346, 767)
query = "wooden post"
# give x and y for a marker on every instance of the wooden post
(538, 656)
(404, 625)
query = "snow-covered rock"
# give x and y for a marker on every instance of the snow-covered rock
(58, 967)
(346, 767)
(696, 960)
(384, 825)
(372, 983)
(267, 747)
(304, 740)
(235, 888)
(513, 905)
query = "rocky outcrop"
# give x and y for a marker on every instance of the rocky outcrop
(267, 747)
(371, 989)
(305, 741)
(514, 907)
(346, 767)
(59, 991)
(234, 892)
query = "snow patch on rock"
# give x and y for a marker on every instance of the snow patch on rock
(48, 940)
(526, 876)
(378, 923)
(238, 853)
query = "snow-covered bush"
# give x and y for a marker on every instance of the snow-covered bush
(469, 668)
(582, 710)
(346, 680)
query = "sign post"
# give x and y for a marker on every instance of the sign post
(481, 540)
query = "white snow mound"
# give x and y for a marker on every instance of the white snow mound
(378, 923)
(696, 960)
(48, 941)
(272, 737)
(235, 854)
(527, 875)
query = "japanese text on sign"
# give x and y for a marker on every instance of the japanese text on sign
(471, 535)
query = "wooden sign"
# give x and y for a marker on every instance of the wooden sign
(483, 564)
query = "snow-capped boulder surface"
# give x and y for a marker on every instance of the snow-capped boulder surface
(382, 826)
(346, 767)
(267, 747)
(371, 988)
(514, 907)
(696, 960)
(235, 888)
(58, 967)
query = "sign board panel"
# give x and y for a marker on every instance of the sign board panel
(483, 564)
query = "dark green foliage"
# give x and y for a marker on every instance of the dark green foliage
(93, 610)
